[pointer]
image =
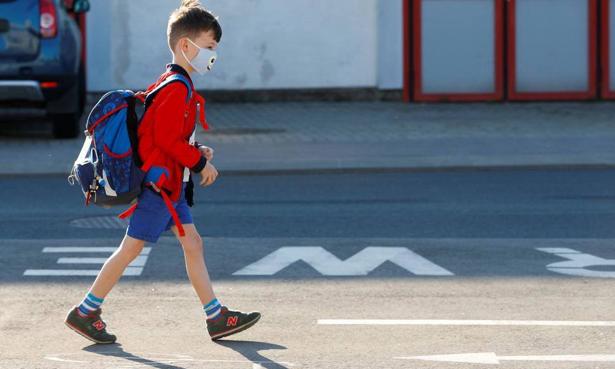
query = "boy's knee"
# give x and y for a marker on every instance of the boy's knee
(193, 245)
(132, 249)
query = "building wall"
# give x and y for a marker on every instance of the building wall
(273, 44)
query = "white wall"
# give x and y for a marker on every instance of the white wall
(266, 44)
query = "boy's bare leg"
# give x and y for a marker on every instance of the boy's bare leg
(192, 245)
(233, 321)
(114, 267)
(88, 323)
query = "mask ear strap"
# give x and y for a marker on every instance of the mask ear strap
(185, 57)
(192, 42)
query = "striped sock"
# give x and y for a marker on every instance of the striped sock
(212, 309)
(89, 304)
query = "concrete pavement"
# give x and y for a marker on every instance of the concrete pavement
(171, 335)
(520, 248)
(360, 135)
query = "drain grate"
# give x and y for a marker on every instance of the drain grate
(243, 131)
(107, 222)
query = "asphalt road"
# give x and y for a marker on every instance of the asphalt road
(466, 261)
(464, 204)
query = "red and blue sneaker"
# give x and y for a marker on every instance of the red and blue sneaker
(229, 322)
(91, 326)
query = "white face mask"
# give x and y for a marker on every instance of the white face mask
(204, 61)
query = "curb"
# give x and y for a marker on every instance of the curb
(374, 170)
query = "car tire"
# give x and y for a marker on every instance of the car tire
(66, 125)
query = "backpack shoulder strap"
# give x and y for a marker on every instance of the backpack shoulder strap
(176, 77)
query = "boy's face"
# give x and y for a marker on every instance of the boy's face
(205, 40)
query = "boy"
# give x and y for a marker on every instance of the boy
(166, 138)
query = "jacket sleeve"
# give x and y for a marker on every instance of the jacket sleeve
(168, 127)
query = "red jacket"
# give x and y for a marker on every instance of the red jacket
(165, 131)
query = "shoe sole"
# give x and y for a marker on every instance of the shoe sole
(85, 335)
(236, 330)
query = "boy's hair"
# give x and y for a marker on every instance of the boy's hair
(189, 20)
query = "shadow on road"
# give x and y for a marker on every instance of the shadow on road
(116, 350)
(250, 350)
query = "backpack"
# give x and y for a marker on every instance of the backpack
(108, 168)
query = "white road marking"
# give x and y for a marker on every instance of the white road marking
(145, 251)
(55, 358)
(492, 358)
(129, 272)
(134, 269)
(120, 360)
(578, 262)
(328, 264)
(82, 260)
(139, 261)
(558, 250)
(548, 323)
(78, 249)
(61, 272)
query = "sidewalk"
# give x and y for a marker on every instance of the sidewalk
(358, 135)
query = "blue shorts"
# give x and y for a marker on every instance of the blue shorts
(151, 217)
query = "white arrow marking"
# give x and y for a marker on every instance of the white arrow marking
(578, 262)
(492, 358)
(328, 264)
(544, 323)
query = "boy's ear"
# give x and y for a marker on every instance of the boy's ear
(183, 43)
(180, 45)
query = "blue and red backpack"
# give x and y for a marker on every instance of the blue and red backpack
(108, 167)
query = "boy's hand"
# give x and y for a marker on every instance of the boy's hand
(208, 175)
(208, 152)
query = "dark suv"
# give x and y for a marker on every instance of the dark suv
(42, 71)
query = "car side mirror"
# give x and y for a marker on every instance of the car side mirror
(80, 6)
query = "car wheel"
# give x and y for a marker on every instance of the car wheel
(66, 125)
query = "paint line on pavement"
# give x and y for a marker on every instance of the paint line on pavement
(360, 264)
(492, 358)
(129, 272)
(139, 261)
(558, 250)
(78, 249)
(134, 269)
(61, 272)
(82, 260)
(444, 322)
(163, 359)
(145, 251)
